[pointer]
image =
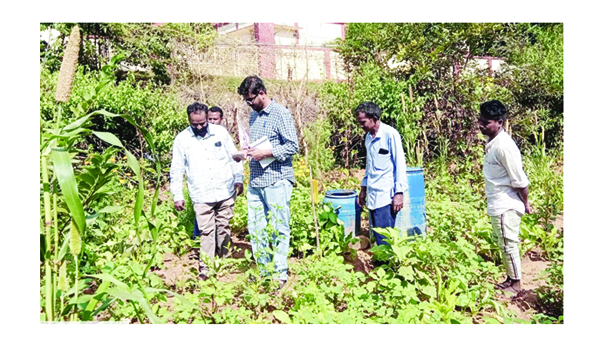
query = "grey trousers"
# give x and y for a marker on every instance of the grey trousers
(213, 217)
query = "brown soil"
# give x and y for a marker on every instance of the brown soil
(181, 268)
(178, 269)
(526, 304)
(558, 222)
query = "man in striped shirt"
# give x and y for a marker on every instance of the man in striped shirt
(506, 189)
(203, 152)
(270, 186)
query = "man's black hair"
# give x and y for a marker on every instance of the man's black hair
(252, 85)
(370, 109)
(197, 108)
(216, 109)
(493, 110)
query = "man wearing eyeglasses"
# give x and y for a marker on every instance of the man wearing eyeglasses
(270, 187)
(203, 152)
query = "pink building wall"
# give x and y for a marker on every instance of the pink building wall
(265, 38)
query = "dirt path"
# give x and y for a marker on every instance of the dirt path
(526, 305)
(532, 265)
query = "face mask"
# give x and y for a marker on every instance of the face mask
(201, 132)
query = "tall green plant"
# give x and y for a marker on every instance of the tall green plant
(63, 92)
(58, 148)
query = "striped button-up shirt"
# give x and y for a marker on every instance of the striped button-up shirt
(276, 123)
(385, 174)
(207, 163)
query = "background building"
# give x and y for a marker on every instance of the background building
(292, 51)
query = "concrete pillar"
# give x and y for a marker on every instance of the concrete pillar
(265, 38)
(327, 64)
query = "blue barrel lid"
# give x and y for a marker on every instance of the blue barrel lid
(411, 169)
(341, 193)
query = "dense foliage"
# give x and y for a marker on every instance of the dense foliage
(425, 78)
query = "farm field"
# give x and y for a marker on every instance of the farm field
(114, 249)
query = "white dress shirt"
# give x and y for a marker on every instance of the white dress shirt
(207, 163)
(385, 173)
(503, 172)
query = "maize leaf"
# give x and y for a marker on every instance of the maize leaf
(68, 185)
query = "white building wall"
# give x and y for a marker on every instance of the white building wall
(319, 33)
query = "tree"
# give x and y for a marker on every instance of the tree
(146, 46)
(431, 66)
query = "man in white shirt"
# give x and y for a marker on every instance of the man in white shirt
(506, 189)
(215, 117)
(382, 189)
(203, 152)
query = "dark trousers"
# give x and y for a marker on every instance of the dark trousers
(382, 217)
(196, 229)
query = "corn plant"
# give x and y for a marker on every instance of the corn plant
(79, 187)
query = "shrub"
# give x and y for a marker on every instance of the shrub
(154, 107)
(320, 154)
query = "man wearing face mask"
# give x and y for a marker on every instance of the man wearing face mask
(203, 152)
(215, 117)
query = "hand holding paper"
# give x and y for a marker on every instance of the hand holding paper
(261, 151)
(260, 154)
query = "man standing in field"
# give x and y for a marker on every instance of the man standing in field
(203, 153)
(271, 185)
(382, 189)
(215, 116)
(506, 188)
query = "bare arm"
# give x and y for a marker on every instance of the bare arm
(523, 194)
(362, 197)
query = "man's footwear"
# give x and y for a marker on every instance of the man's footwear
(378, 263)
(202, 276)
(194, 254)
(510, 285)
(505, 284)
(280, 284)
(513, 288)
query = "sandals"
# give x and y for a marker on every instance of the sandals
(506, 284)
(510, 285)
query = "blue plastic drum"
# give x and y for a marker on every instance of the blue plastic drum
(411, 219)
(346, 204)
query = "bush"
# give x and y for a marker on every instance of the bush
(153, 107)
(320, 154)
